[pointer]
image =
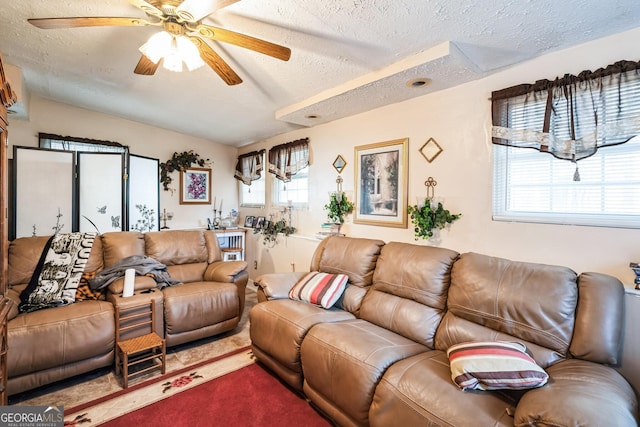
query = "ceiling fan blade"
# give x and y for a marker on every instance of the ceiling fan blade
(195, 10)
(54, 23)
(147, 8)
(146, 67)
(242, 40)
(216, 63)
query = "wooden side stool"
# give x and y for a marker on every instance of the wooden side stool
(137, 341)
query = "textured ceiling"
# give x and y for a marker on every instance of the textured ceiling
(348, 56)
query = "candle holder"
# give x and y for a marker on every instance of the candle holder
(166, 216)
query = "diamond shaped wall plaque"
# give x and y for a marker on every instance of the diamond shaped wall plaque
(430, 150)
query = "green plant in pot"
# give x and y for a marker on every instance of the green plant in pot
(338, 207)
(428, 217)
(272, 229)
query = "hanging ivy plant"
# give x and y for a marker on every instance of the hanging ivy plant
(425, 219)
(179, 162)
(338, 207)
(271, 231)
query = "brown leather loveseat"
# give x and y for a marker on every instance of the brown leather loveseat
(51, 344)
(379, 356)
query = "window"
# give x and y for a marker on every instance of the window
(249, 171)
(253, 195)
(295, 191)
(582, 165)
(67, 143)
(531, 186)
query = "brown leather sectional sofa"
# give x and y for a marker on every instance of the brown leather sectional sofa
(378, 357)
(56, 343)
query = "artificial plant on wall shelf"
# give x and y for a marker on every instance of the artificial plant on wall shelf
(338, 207)
(179, 162)
(271, 230)
(429, 215)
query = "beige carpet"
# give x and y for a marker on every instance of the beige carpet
(84, 388)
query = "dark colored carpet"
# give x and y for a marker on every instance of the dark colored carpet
(250, 396)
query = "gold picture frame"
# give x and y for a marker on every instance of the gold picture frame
(381, 177)
(195, 186)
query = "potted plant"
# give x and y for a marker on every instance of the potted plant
(337, 208)
(431, 215)
(271, 230)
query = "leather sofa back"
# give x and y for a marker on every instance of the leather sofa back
(409, 291)
(355, 257)
(497, 299)
(24, 254)
(176, 247)
(598, 331)
(117, 245)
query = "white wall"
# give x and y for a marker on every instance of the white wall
(61, 119)
(459, 120)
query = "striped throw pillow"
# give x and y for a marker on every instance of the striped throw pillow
(321, 289)
(494, 365)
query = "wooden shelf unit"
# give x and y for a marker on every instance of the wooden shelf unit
(232, 243)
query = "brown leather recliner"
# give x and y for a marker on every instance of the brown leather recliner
(387, 365)
(278, 326)
(57, 343)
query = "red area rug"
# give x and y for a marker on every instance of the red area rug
(250, 396)
(230, 390)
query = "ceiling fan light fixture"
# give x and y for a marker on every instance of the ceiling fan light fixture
(173, 50)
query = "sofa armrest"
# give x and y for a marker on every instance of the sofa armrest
(579, 393)
(278, 285)
(221, 271)
(14, 299)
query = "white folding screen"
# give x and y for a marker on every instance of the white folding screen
(144, 196)
(64, 191)
(101, 191)
(44, 192)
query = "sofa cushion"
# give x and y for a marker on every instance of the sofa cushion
(579, 393)
(597, 335)
(58, 272)
(527, 302)
(409, 290)
(277, 328)
(321, 289)
(355, 257)
(117, 245)
(494, 365)
(24, 254)
(343, 362)
(176, 247)
(418, 391)
(60, 336)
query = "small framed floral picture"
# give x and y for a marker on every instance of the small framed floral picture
(195, 186)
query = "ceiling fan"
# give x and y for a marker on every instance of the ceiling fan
(181, 20)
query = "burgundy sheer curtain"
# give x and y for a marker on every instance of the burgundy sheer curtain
(570, 117)
(249, 167)
(286, 160)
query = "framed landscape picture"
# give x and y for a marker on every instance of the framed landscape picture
(195, 186)
(381, 171)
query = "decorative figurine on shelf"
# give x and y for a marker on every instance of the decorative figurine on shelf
(635, 266)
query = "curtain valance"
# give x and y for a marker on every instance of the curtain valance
(572, 116)
(249, 167)
(285, 160)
